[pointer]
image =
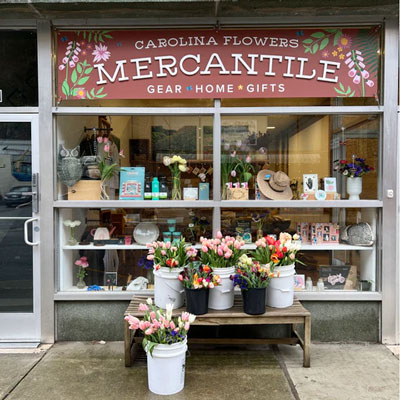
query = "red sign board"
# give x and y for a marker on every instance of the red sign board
(160, 64)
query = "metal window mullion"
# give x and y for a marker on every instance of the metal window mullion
(133, 111)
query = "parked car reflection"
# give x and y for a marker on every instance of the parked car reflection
(18, 196)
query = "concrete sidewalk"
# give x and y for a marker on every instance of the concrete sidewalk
(83, 370)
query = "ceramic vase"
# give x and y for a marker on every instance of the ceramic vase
(354, 188)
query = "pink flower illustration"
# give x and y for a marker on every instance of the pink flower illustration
(101, 53)
(370, 83)
(352, 73)
(71, 64)
(365, 74)
(325, 54)
(61, 67)
(80, 93)
(357, 79)
(345, 41)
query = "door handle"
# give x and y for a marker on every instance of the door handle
(27, 222)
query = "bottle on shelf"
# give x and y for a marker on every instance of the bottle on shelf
(147, 187)
(155, 189)
(163, 188)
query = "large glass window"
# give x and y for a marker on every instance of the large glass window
(306, 148)
(18, 66)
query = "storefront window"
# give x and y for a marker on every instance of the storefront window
(19, 71)
(114, 243)
(140, 145)
(308, 148)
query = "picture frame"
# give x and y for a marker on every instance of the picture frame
(299, 282)
(110, 279)
(190, 193)
(339, 277)
(243, 130)
(330, 184)
(310, 183)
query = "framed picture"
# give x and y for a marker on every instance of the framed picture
(190, 193)
(330, 185)
(110, 279)
(310, 183)
(299, 282)
(339, 277)
(237, 130)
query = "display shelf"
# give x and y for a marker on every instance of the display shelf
(135, 204)
(300, 204)
(135, 246)
(75, 294)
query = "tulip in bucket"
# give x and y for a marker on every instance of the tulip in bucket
(169, 260)
(165, 343)
(221, 254)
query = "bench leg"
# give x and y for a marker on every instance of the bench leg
(127, 344)
(307, 342)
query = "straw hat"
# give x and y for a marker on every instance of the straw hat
(274, 185)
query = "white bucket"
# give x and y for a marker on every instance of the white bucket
(166, 368)
(280, 289)
(167, 288)
(221, 296)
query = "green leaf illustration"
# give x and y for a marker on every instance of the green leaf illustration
(336, 37)
(307, 41)
(83, 80)
(88, 70)
(338, 91)
(100, 96)
(341, 86)
(92, 92)
(352, 94)
(324, 43)
(90, 36)
(79, 68)
(95, 37)
(74, 91)
(315, 48)
(100, 90)
(65, 88)
(74, 76)
(107, 36)
(318, 35)
(89, 96)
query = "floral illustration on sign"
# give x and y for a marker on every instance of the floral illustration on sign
(359, 53)
(78, 70)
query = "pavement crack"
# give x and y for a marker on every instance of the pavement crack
(23, 377)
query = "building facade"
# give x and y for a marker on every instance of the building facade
(229, 87)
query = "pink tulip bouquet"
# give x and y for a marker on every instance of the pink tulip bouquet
(171, 255)
(158, 326)
(221, 252)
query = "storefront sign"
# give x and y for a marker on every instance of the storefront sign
(163, 64)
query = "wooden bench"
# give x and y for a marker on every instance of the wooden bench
(294, 315)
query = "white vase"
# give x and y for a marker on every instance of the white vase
(354, 188)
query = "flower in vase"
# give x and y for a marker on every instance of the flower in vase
(182, 168)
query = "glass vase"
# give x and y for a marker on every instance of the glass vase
(176, 188)
(72, 241)
(81, 283)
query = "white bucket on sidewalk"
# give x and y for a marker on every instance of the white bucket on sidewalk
(167, 288)
(221, 297)
(280, 288)
(166, 368)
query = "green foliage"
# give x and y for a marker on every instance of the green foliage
(94, 35)
(319, 40)
(343, 92)
(367, 41)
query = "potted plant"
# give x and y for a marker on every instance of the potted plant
(221, 254)
(279, 256)
(165, 343)
(252, 279)
(169, 260)
(197, 279)
(354, 171)
(82, 263)
(177, 165)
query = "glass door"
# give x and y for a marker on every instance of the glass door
(19, 230)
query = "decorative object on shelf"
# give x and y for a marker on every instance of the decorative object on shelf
(146, 232)
(190, 193)
(228, 164)
(320, 285)
(171, 224)
(252, 279)
(177, 165)
(82, 263)
(299, 283)
(131, 183)
(147, 187)
(108, 169)
(176, 237)
(72, 225)
(163, 188)
(167, 237)
(169, 260)
(155, 189)
(197, 279)
(140, 283)
(69, 166)
(102, 235)
(244, 168)
(204, 191)
(309, 284)
(221, 254)
(165, 343)
(259, 220)
(110, 280)
(354, 171)
(310, 183)
(364, 285)
(360, 234)
(320, 195)
(94, 288)
(274, 185)
(330, 184)
(148, 266)
(238, 193)
(338, 277)
(85, 190)
(243, 231)
(280, 257)
(318, 233)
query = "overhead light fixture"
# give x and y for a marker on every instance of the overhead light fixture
(271, 127)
